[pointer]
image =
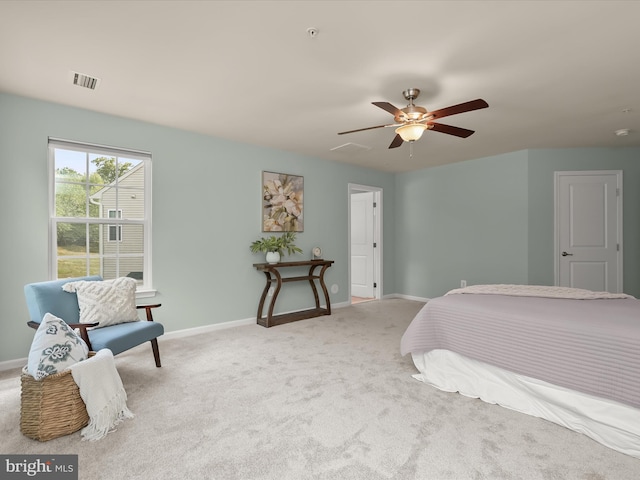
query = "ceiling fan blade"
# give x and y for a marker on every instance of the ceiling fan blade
(389, 108)
(396, 142)
(448, 129)
(460, 108)
(363, 129)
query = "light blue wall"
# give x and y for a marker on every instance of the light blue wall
(488, 220)
(206, 212)
(491, 220)
(542, 164)
(465, 221)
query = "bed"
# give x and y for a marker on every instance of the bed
(570, 356)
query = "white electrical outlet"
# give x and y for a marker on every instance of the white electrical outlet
(271, 290)
(463, 283)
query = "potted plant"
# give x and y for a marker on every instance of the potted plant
(274, 247)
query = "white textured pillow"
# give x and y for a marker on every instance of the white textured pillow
(107, 302)
(55, 347)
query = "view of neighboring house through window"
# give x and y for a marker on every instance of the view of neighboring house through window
(100, 212)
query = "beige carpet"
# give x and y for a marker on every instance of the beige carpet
(324, 398)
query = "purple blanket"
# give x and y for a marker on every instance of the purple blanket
(592, 346)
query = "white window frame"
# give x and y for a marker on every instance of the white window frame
(145, 289)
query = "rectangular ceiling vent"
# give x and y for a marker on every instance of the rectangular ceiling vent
(85, 81)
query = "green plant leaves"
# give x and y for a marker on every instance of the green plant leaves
(280, 244)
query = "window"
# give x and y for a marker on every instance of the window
(115, 231)
(100, 211)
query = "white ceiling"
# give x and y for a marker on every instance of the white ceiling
(555, 73)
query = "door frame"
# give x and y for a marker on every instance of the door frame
(377, 235)
(556, 220)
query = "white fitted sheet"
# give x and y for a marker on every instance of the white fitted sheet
(608, 422)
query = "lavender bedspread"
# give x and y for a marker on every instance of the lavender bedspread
(592, 346)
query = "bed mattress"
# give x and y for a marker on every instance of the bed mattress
(590, 346)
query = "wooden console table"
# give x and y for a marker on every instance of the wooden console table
(272, 272)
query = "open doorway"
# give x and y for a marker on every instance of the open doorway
(365, 243)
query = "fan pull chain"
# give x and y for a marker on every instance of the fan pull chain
(410, 149)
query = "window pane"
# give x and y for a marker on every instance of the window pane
(133, 164)
(71, 200)
(70, 165)
(110, 169)
(77, 267)
(126, 256)
(131, 200)
(73, 255)
(94, 239)
(132, 240)
(95, 207)
(126, 195)
(72, 238)
(103, 169)
(131, 266)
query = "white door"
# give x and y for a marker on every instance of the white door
(589, 230)
(362, 241)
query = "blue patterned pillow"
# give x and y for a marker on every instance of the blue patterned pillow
(55, 347)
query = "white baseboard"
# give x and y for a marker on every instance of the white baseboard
(187, 332)
(407, 297)
(340, 305)
(11, 364)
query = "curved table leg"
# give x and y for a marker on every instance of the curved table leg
(264, 295)
(313, 285)
(275, 295)
(324, 289)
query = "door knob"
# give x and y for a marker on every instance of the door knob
(565, 254)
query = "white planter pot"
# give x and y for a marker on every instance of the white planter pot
(273, 257)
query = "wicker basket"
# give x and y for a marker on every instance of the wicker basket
(51, 407)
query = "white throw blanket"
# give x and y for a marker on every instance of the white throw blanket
(103, 393)
(538, 291)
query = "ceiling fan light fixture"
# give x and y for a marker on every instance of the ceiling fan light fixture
(411, 131)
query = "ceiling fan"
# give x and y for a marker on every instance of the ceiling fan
(413, 120)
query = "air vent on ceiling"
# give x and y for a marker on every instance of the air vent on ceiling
(351, 148)
(85, 81)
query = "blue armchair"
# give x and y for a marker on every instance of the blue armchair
(49, 297)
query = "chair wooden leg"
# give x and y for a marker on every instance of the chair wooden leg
(156, 352)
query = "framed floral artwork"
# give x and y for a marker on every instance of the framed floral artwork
(282, 202)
